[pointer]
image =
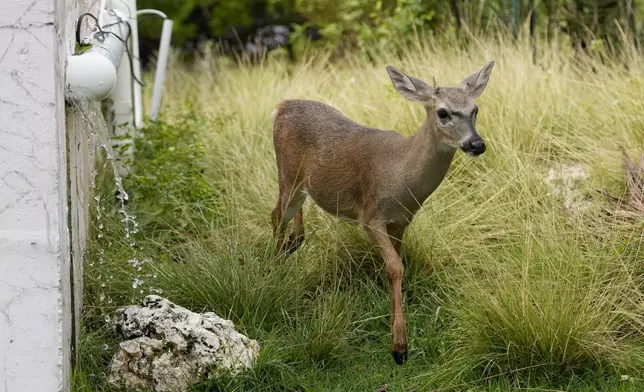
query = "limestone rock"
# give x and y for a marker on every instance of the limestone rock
(564, 180)
(168, 347)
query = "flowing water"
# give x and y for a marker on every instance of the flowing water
(100, 144)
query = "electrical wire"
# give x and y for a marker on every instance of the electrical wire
(80, 22)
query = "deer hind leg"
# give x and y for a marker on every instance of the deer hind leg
(288, 206)
(395, 270)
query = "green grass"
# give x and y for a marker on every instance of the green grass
(504, 289)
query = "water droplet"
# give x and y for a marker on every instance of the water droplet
(102, 297)
(107, 319)
(105, 347)
(100, 235)
(137, 282)
(100, 226)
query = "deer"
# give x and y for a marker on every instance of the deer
(375, 178)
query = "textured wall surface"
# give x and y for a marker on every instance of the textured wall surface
(36, 323)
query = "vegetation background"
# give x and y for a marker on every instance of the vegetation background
(525, 269)
(347, 25)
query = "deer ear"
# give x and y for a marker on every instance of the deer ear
(475, 84)
(410, 87)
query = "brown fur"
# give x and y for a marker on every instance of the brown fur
(376, 178)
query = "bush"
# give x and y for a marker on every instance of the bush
(168, 191)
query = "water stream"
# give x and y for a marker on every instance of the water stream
(99, 143)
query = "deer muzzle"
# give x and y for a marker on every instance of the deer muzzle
(474, 146)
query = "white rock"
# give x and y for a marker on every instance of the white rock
(565, 180)
(168, 347)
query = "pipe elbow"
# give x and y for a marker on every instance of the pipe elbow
(90, 75)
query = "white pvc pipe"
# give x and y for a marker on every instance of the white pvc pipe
(136, 65)
(162, 62)
(90, 75)
(121, 98)
(101, 10)
(151, 11)
(93, 74)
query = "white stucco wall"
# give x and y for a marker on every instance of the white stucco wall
(35, 282)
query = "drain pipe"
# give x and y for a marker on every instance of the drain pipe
(136, 67)
(93, 74)
(122, 98)
(104, 71)
(101, 10)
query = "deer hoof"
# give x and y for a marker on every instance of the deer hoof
(294, 242)
(400, 356)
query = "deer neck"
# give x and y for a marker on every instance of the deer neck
(427, 162)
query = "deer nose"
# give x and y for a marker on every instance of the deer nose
(476, 147)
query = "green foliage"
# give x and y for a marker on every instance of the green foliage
(214, 18)
(372, 25)
(168, 189)
(368, 24)
(365, 24)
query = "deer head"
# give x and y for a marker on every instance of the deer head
(451, 111)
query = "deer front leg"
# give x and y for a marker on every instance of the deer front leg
(286, 208)
(395, 270)
(297, 236)
(277, 219)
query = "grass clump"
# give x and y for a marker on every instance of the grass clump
(504, 287)
(549, 311)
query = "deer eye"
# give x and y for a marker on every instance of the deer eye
(442, 114)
